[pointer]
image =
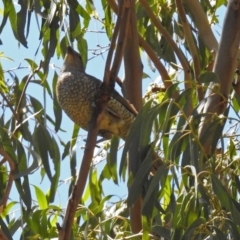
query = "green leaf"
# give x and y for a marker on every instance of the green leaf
(214, 131)
(146, 228)
(145, 75)
(44, 224)
(233, 228)
(24, 126)
(95, 190)
(56, 107)
(9, 12)
(15, 226)
(66, 150)
(43, 141)
(5, 57)
(134, 133)
(57, 168)
(35, 222)
(72, 151)
(208, 77)
(165, 125)
(3, 179)
(219, 234)
(105, 174)
(75, 132)
(160, 175)
(33, 167)
(112, 158)
(135, 189)
(162, 231)
(179, 215)
(29, 14)
(219, 129)
(3, 86)
(6, 210)
(178, 144)
(74, 22)
(178, 232)
(83, 48)
(52, 12)
(108, 21)
(21, 21)
(23, 187)
(221, 192)
(193, 227)
(83, 13)
(41, 198)
(37, 106)
(32, 64)
(27, 191)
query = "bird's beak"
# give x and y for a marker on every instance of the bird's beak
(69, 57)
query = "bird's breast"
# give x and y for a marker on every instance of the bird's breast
(76, 97)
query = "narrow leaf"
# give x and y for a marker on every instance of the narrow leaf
(41, 198)
(208, 77)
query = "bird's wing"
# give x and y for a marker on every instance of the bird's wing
(119, 98)
(124, 102)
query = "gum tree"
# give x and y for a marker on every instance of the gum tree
(189, 119)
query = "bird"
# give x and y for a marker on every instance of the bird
(76, 91)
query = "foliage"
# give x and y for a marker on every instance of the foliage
(193, 195)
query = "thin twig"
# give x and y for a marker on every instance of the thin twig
(157, 63)
(171, 42)
(8, 158)
(14, 69)
(25, 86)
(8, 104)
(95, 31)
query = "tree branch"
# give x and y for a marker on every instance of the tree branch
(133, 92)
(2, 235)
(151, 54)
(202, 24)
(122, 29)
(65, 231)
(171, 42)
(157, 63)
(192, 47)
(102, 97)
(225, 65)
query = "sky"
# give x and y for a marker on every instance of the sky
(95, 67)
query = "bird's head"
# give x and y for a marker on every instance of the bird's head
(72, 61)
